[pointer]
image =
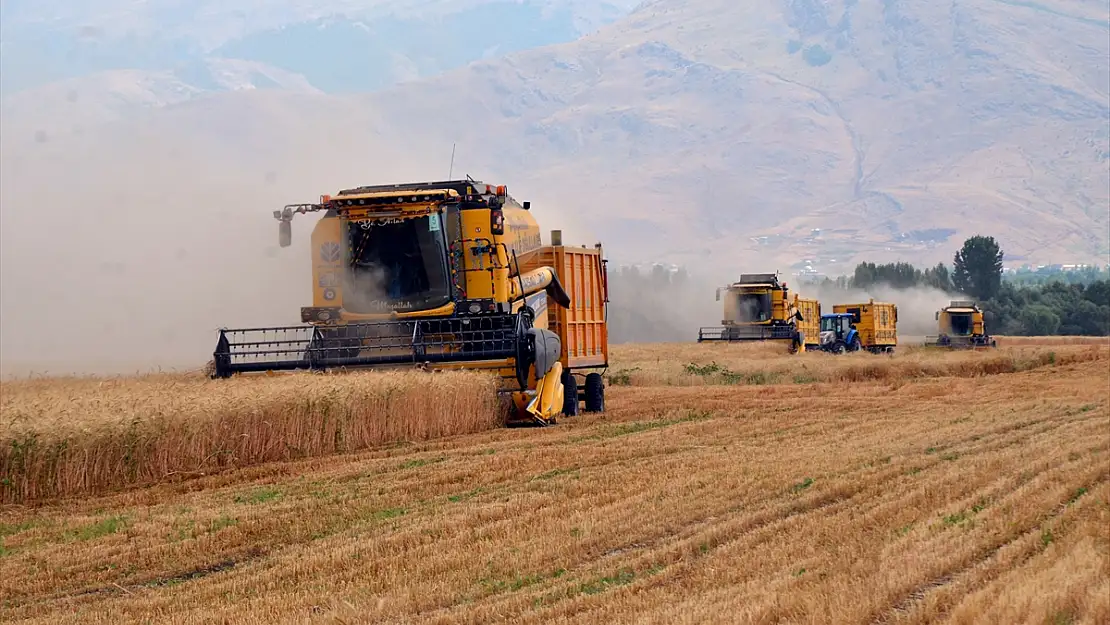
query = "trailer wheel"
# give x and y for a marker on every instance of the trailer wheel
(595, 393)
(570, 394)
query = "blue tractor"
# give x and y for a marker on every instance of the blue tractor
(839, 334)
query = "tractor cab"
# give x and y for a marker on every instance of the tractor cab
(838, 333)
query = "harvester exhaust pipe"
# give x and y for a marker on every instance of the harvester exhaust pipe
(285, 226)
(556, 238)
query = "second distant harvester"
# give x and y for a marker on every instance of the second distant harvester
(759, 308)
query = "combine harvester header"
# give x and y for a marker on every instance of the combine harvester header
(442, 275)
(759, 308)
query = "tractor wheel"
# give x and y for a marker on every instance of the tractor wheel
(595, 393)
(570, 394)
(838, 347)
(855, 346)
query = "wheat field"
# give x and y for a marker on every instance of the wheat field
(961, 487)
(74, 436)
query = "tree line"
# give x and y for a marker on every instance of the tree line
(1050, 304)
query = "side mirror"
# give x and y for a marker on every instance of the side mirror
(718, 295)
(936, 316)
(285, 233)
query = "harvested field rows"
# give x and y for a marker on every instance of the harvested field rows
(906, 500)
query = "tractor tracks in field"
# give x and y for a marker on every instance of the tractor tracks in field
(118, 589)
(965, 575)
(664, 554)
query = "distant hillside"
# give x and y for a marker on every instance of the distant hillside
(718, 135)
(336, 45)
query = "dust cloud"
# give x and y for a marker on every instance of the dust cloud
(647, 310)
(125, 250)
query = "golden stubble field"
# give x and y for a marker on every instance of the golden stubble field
(728, 484)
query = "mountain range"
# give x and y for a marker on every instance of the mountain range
(726, 137)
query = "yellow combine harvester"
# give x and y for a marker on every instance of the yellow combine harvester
(442, 275)
(960, 326)
(759, 308)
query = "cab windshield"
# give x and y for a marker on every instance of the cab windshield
(753, 307)
(396, 264)
(834, 324)
(961, 323)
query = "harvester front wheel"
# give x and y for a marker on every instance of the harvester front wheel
(595, 393)
(570, 394)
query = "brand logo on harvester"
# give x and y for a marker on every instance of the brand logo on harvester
(330, 252)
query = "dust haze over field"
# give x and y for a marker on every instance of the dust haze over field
(137, 268)
(133, 263)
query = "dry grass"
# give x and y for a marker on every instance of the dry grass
(1007, 341)
(691, 364)
(917, 500)
(65, 437)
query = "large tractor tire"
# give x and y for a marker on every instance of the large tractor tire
(595, 393)
(855, 346)
(838, 347)
(570, 394)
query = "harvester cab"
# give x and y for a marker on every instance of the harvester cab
(839, 333)
(441, 275)
(758, 308)
(960, 325)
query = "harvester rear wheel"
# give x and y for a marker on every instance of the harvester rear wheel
(595, 393)
(570, 394)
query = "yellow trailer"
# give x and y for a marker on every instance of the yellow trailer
(851, 327)
(808, 321)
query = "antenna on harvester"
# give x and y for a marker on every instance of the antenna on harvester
(451, 172)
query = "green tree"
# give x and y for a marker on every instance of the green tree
(1040, 320)
(938, 277)
(977, 269)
